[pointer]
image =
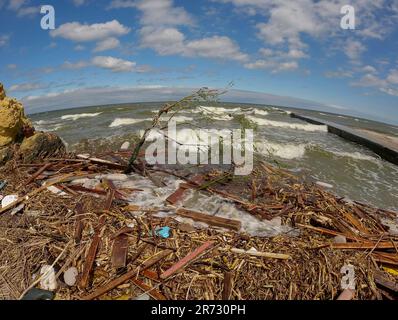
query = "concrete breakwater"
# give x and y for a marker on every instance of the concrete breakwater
(380, 144)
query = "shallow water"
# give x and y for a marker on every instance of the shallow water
(354, 171)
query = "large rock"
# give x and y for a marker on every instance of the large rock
(41, 145)
(12, 119)
(6, 154)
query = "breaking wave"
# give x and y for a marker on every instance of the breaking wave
(118, 122)
(282, 150)
(355, 155)
(296, 126)
(79, 115)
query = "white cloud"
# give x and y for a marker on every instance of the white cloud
(273, 64)
(28, 11)
(113, 64)
(157, 12)
(25, 87)
(78, 32)
(12, 66)
(353, 49)
(4, 40)
(107, 44)
(75, 65)
(393, 76)
(16, 4)
(215, 47)
(369, 69)
(159, 20)
(79, 3)
(341, 73)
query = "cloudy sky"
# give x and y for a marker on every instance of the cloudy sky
(273, 51)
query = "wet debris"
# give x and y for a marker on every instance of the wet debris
(160, 233)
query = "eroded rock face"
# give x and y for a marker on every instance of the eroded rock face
(41, 145)
(12, 119)
(6, 154)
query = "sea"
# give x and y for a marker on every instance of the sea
(344, 168)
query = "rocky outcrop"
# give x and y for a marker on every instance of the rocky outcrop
(41, 145)
(12, 120)
(6, 154)
(17, 130)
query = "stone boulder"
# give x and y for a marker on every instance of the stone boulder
(41, 145)
(12, 120)
(6, 154)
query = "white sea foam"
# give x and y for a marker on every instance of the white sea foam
(281, 124)
(355, 155)
(261, 112)
(80, 115)
(177, 118)
(126, 121)
(282, 150)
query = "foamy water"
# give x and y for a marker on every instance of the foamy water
(304, 148)
(79, 116)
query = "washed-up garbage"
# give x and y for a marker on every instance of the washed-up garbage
(324, 184)
(38, 294)
(48, 279)
(17, 209)
(3, 184)
(163, 232)
(7, 200)
(70, 276)
(143, 296)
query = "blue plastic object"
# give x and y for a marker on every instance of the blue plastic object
(163, 232)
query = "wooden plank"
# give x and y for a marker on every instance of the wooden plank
(228, 284)
(156, 258)
(79, 223)
(111, 285)
(38, 172)
(147, 289)
(186, 260)
(363, 245)
(92, 252)
(383, 281)
(119, 251)
(270, 255)
(210, 220)
(180, 192)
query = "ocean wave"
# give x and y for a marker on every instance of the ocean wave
(355, 155)
(118, 122)
(177, 118)
(79, 115)
(296, 126)
(282, 150)
(261, 112)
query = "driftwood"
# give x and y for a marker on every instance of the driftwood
(210, 220)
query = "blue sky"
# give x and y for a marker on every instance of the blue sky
(130, 50)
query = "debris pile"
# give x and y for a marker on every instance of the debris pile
(86, 230)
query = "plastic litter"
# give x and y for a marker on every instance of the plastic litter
(70, 276)
(340, 239)
(125, 146)
(143, 296)
(48, 280)
(324, 184)
(3, 184)
(38, 294)
(17, 209)
(7, 200)
(163, 232)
